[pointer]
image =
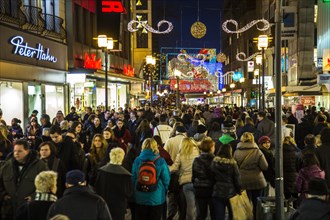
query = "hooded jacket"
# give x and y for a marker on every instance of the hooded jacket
(226, 177)
(312, 209)
(202, 177)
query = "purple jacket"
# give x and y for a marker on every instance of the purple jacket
(305, 175)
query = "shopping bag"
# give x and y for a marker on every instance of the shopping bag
(241, 207)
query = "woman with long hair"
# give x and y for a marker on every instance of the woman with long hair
(5, 144)
(33, 133)
(183, 164)
(251, 162)
(16, 129)
(122, 135)
(142, 132)
(227, 181)
(95, 158)
(77, 127)
(149, 205)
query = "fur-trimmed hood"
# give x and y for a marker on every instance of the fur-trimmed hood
(224, 160)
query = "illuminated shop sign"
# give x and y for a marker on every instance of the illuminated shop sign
(21, 48)
(113, 6)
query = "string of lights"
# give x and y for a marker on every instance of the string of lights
(135, 25)
(246, 27)
(242, 56)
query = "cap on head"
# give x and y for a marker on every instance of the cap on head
(181, 129)
(263, 139)
(75, 177)
(201, 129)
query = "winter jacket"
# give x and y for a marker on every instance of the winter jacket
(305, 175)
(67, 151)
(251, 162)
(226, 177)
(290, 160)
(157, 197)
(249, 128)
(123, 137)
(114, 184)
(323, 154)
(183, 164)
(312, 209)
(202, 178)
(18, 184)
(269, 174)
(6, 147)
(267, 128)
(172, 146)
(164, 131)
(80, 203)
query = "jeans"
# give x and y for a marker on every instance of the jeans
(145, 212)
(188, 190)
(220, 205)
(253, 196)
(202, 205)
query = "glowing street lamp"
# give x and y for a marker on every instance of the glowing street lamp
(150, 60)
(262, 45)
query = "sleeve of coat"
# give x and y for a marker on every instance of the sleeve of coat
(177, 164)
(299, 182)
(263, 165)
(103, 211)
(165, 175)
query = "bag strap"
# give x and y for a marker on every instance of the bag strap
(155, 159)
(247, 156)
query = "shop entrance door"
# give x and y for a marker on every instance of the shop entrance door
(34, 98)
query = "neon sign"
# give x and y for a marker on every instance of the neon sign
(128, 70)
(113, 6)
(91, 62)
(21, 48)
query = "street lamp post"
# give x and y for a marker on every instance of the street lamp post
(177, 75)
(242, 80)
(263, 44)
(106, 44)
(256, 76)
(150, 60)
(219, 92)
(232, 86)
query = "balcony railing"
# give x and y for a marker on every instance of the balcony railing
(54, 26)
(10, 12)
(34, 21)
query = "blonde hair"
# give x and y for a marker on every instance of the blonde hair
(247, 137)
(289, 140)
(60, 217)
(117, 156)
(151, 144)
(45, 180)
(187, 146)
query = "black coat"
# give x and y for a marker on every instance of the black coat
(202, 175)
(114, 184)
(80, 203)
(269, 174)
(226, 177)
(312, 209)
(302, 130)
(34, 210)
(67, 151)
(290, 161)
(323, 154)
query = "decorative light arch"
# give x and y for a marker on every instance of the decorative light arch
(246, 27)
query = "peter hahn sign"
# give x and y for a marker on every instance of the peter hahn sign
(22, 48)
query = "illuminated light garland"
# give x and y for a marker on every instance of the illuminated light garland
(183, 57)
(246, 27)
(144, 24)
(218, 73)
(242, 56)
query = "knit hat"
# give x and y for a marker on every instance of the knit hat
(74, 177)
(181, 129)
(201, 129)
(226, 139)
(318, 186)
(263, 139)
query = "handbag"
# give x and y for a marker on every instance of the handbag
(241, 207)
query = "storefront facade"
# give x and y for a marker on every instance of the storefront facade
(32, 74)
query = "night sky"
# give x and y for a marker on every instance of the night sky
(183, 13)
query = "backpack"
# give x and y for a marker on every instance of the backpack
(147, 177)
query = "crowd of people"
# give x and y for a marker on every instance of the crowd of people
(160, 163)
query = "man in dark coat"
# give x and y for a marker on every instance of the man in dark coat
(17, 178)
(114, 184)
(79, 202)
(323, 153)
(66, 148)
(316, 206)
(266, 126)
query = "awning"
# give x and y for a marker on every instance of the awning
(300, 90)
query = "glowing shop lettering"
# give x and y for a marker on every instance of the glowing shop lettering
(21, 48)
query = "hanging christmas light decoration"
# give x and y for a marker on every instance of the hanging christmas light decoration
(199, 59)
(221, 57)
(242, 56)
(246, 27)
(218, 73)
(198, 30)
(135, 25)
(139, 3)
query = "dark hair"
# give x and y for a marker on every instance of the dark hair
(215, 126)
(158, 139)
(262, 114)
(163, 117)
(45, 116)
(310, 139)
(226, 151)
(325, 135)
(206, 144)
(309, 159)
(16, 120)
(53, 150)
(22, 142)
(55, 129)
(75, 124)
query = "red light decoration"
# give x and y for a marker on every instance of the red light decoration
(113, 6)
(128, 70)
(91, 62)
